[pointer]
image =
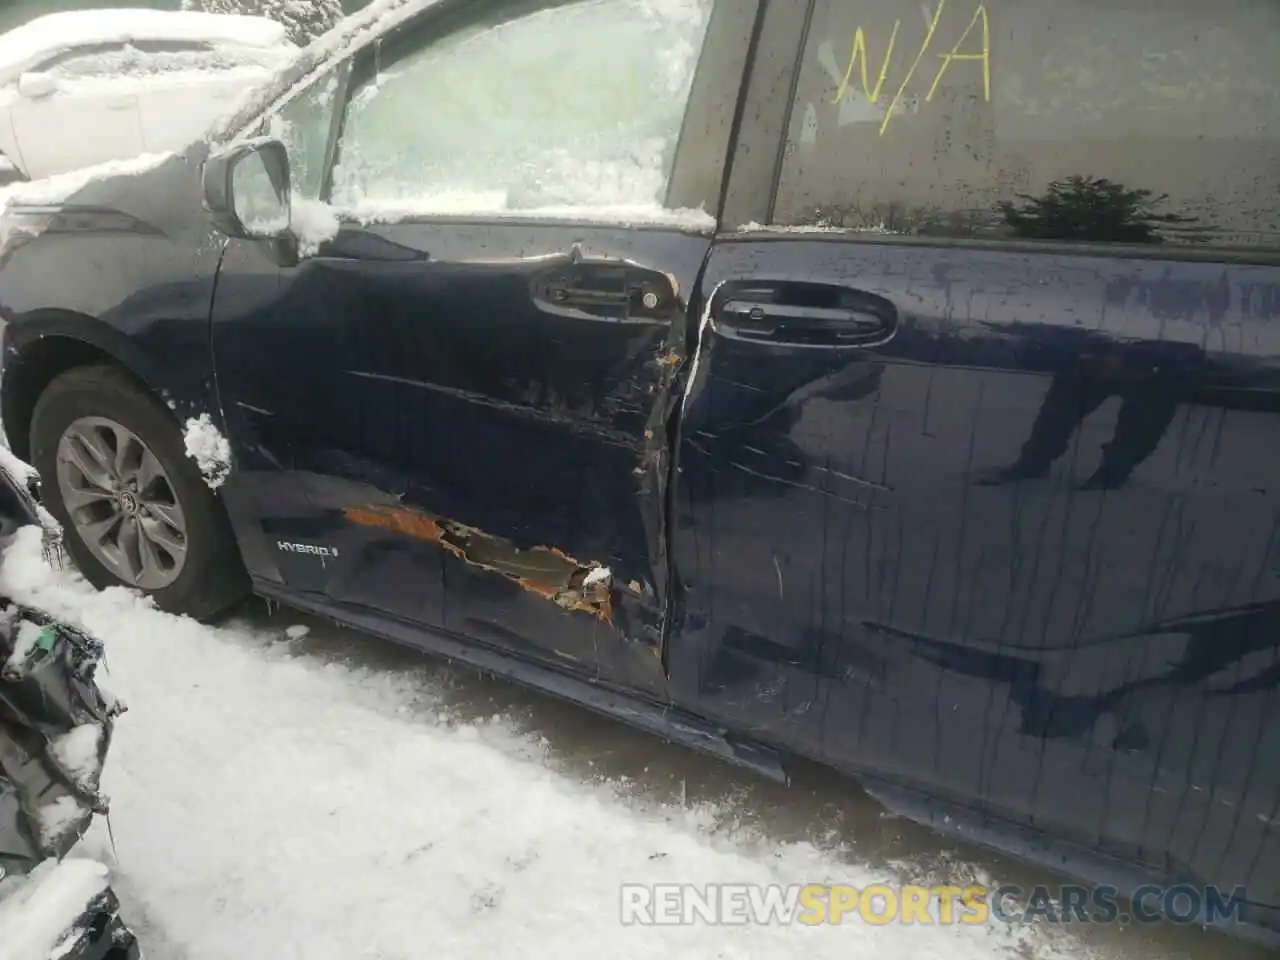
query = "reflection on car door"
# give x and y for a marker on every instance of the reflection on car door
(980, 455)
(463, 419)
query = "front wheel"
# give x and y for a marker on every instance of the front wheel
(135, 510)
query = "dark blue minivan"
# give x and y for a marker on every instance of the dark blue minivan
(891, 385)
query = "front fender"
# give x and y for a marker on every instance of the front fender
(124, 269)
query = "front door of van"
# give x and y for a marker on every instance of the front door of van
(454, 410)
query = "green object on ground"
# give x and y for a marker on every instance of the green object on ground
(48, 637)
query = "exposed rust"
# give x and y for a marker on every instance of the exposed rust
(546, 571)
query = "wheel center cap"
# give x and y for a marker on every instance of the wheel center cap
(128, 503)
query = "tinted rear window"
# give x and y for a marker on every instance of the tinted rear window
(1088, 120)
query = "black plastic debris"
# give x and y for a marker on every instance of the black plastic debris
(56, 725)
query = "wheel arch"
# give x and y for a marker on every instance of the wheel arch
(45, 346)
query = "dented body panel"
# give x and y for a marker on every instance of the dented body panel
(991, 524)
(1025, 552)
(488, 407)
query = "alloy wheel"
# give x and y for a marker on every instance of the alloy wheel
(121, 502)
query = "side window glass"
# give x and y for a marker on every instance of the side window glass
(1039, 119)
(574, 105)
(303, 125)
(100, 62)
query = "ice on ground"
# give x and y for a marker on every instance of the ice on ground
(40, 909)
(209, 449)
(267, 804)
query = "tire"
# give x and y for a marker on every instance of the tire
(212, 577)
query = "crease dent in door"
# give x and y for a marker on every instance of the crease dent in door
(545, 571)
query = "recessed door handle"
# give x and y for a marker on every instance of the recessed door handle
(796, 325)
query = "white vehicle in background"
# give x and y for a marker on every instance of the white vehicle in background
(87, 87)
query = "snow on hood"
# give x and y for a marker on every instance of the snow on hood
(28, 45)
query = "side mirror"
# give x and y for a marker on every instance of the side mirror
(246, 189)
(35, 86)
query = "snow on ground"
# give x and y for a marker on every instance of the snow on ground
(268, 805)
(35, 918)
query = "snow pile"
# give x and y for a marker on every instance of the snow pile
(79, 754)
(209, 449)
(268, 804)
(313, 223)
(38, 912)
(25, 641)
(24, 476)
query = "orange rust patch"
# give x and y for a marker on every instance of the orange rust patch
(547, 572)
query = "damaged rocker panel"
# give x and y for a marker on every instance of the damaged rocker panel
(545, 571)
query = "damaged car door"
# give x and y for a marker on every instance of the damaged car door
(452, 409)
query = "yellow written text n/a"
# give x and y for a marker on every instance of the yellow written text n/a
(860, 60)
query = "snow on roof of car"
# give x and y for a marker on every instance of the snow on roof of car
(25, 46)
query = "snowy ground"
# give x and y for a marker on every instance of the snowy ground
(272, 800)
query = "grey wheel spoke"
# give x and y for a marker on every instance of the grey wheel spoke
(152, 563)
(95, 534)
(158, 533)
(98, 448)
(129, 454)
(80, 497)
(148, 471)
(170, 514)
(82, 455)
(128, 546)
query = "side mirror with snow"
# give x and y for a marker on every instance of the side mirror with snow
(246, 189)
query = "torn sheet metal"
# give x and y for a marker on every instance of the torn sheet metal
(546, 571)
